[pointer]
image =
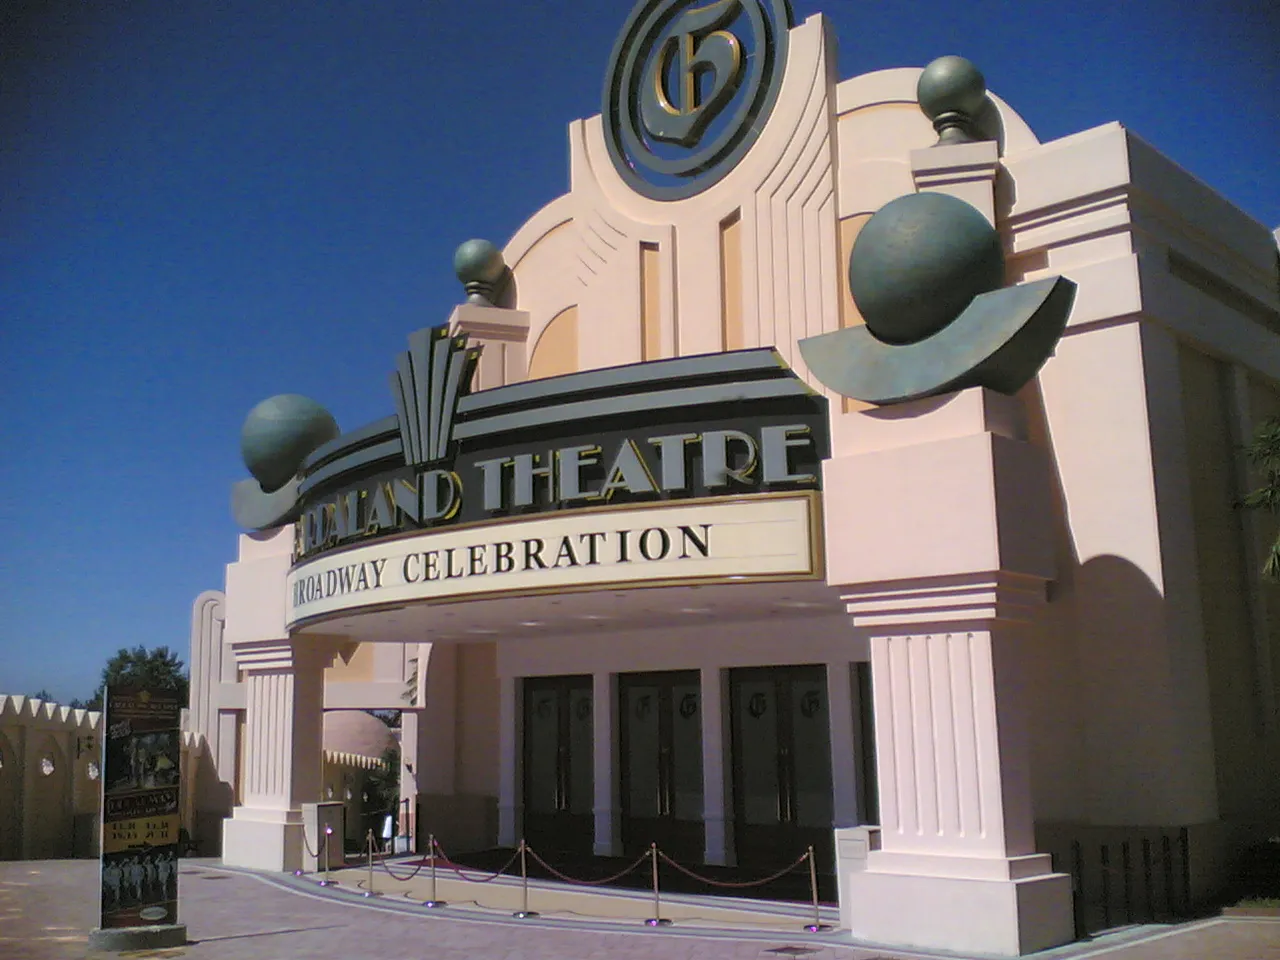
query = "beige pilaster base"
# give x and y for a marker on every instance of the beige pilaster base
(1005, 918)
(263, 840)
(608, 833)
(510, 825)
(718, 841)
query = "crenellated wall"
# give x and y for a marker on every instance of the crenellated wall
(50, 780)
(50, 758)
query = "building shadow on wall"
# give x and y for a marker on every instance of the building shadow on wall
(215, 799)
(1101, 732)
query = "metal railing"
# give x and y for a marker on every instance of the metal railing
(1143, 877)
(436, 858)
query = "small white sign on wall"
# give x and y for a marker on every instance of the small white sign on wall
(769, 537)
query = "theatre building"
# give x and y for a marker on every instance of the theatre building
(833, 464)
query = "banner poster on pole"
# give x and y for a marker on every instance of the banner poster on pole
(141, 751)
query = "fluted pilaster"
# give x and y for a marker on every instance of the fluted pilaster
(950, 726)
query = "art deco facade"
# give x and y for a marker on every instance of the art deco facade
(990, 626)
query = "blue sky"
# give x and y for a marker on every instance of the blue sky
(206, 203)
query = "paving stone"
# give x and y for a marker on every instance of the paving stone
(48, 907)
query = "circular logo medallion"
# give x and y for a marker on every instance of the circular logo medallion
(690, 86)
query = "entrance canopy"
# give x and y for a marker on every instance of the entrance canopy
(586, 614)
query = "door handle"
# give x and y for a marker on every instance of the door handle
(786, 786)
(664, 782)
(562, 777)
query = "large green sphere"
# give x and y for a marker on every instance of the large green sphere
(919, 261)
(279, 433)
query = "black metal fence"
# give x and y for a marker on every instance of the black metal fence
(1142, 876)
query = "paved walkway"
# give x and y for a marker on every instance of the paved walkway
(47, 908)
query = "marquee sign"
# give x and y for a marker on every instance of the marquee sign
(679, 430)
(613, 467)
(770, 537)
(690, 86)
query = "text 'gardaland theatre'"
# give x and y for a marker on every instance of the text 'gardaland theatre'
(834, 465)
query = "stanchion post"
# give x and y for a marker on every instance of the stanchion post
(299, 872)
(817, 926)
(657, 920)
(524, 912)
(370, 892)
(324, 855)
(435, 901)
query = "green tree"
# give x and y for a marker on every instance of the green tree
(382, 793)
(382, 783)
(1264, 454)
(141, 667)
(41, 694)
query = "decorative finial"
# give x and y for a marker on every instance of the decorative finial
(951, 92)
(480, 267)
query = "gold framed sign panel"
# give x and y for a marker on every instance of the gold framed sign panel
(760, 537)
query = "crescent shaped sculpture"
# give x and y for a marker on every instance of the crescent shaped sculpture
(926, 273)
(1000, 340)
(255, 509)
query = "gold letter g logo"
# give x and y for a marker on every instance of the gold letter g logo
(698, 45)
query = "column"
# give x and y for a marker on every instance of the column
(939, 538)
(225, 759)
(717, 800)
(844, 755)
(604, 723)
(284, 708)
(501, 334)
(957, 850)
(207, 615)
(1252, 538)
(429, 745)
(963, 170)
(510, 825)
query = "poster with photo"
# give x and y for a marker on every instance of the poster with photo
(141, 753)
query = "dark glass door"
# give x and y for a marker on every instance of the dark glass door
(558, 779)
(782, 765)
(660, 769)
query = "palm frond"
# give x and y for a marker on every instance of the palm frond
(1264, 449)
(1263, 453)
(1271, 568)
(1264, 498)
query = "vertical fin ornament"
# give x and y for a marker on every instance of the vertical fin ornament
(429, 379)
